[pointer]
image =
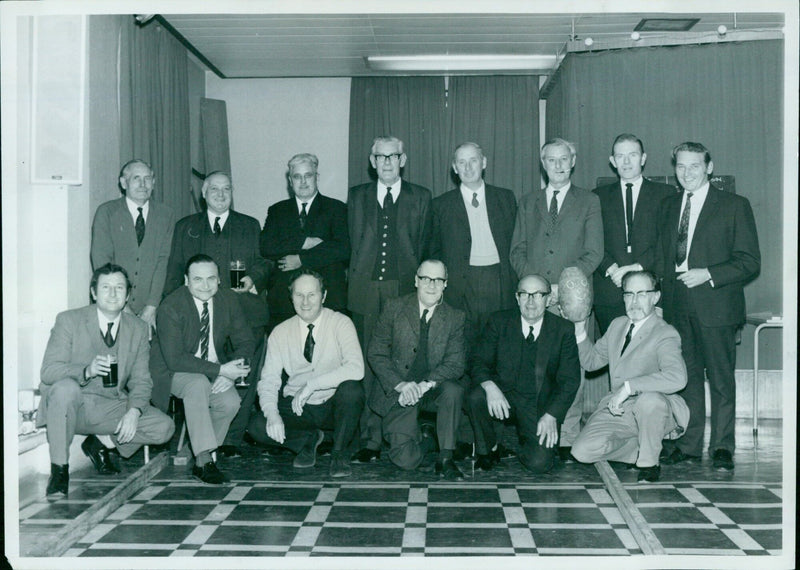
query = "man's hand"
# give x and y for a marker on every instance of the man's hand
(620, 272)
(275, 427)
(221, 384)
(311, 242)
(99, 366)
(234, 369)
(126, 428)
(289, 262)
(580, 328)
(498, 405)
(247, 284)
(695, 277)
(300, 399)
(615, 403)
(148, 315)
(410, 393)
(547, 430)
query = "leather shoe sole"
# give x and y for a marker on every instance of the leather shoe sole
(307, 457)
(99, 456)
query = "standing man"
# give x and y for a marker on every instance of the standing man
(308, 230)
(318, 355)
(643, 354)
(418, 355)
(708, 251)
(76, 395)
(558, 228)
(197, 355)
(630, 222)
(390, 225)
(135, 233)
(525, 368)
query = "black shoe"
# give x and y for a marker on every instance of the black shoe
(325, 448)
(649, 474)
(307, 457)
(621, 465)
(99, 455)
(209, 473)
(58, 485)
(678, 456)
(229, 451)
(722, 460)
(502, 453)
(447, 469)
(366, 455)
(339, 465)
(462, 451)
(565, 454)
(429, 432)
(484, 463)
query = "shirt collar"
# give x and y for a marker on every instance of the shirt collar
(429, 309)
(395, 187)
(700, 192)
(103, 321)
(199, 304)
(636, 183)
(537, 327)
(468, 192)
(307, 202)
(222, 218)
(561, 191)
(637, 325)
(133, 208)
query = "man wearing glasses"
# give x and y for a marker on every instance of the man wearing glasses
(643, 354)
(390, 223)
(418, 355)
(525, 369)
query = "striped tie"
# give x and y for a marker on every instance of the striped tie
(204, 330)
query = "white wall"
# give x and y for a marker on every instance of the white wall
(269, 121)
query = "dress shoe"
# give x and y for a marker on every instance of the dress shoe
(501, 453)
(649, 474)
(678, 456)
(339, 465)
(99, 455)
(565, 454)
(722, 460)
(307, 457)
(58, 485)
(462, 451)
(325, 448)
(447, 469)
(209, 473)
(366, 455)
(484, 463)
(229, 451)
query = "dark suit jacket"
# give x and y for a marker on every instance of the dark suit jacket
(394, 343)
(178, 338)
(413, 234)
(327, 220)
(726, 242)
(577, 240)
(451, 240)
(114, 241)
(643, 238)
(498, 357)
(74, 342)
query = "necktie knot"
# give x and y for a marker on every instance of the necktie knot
(530, 337)
(303, 216)
(308, 348)
(629, 186)
(108, 337)
(217, 228)
(424, 318)
(139, 227)
(554, 208)
(628, 337)
(475, 203)
(388, 200)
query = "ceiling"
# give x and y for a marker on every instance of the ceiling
(336, 45)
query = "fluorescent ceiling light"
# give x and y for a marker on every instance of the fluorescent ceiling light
(461, 62)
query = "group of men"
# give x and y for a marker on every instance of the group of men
(368, 278)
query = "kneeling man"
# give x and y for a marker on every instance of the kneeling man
(525, 368)
(643, 354)
(79, 395)
(312, 377)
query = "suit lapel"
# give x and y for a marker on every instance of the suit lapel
(371, 208)
(618, 208)
(672, 220)
(124, 348)
(707, 213)
(460, 217)
(493, 210)
(541, 205)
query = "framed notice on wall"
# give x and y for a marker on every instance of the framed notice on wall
(58, 78)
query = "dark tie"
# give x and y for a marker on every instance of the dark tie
(303, 217)
(108, 338)
(530, 338)
(629, 211)
(217, 229)
(554, 208)
(474, 199)
(627, 340)
(683, 231)
(204, 331)
(139, 227)
(308, 349)
(388, 201)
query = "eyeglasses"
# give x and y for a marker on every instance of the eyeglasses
(525, 296)
(628, 295)
(437, 281)
(387, 157)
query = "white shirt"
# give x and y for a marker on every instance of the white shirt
(483, 250)
(212, 352)
(637, 186)
(101, 318)
(562, 193)
(526, 327)
(430, 310)
(698, 199)
(307, 202)
(396, 187)
(133, 208)
(222, 218)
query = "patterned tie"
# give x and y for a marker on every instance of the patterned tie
(627, 340)
(108, 338)
(217, 229)
(475, 200)
(629, 212)
(388, 201)
(139, 227)
(308, 349)
(530, 338)
(554, 208)
(204, 332)
(303, 217)
(683, 232)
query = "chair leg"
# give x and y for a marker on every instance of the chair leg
(182, 436)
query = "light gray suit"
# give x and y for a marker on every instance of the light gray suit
(654, 368)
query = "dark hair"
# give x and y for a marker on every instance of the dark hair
(627, 137)
(108, 269)
(689, 146)
(298, 273)
(199, 258)
(654, 280)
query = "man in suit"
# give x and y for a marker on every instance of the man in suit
(708, 251)
(312, 378)
(389, 222)
(77, 397)
(526, 369)
(558, 228)
(307, 230)
(417, 352)
(135, 232)
(630, 220)
(643, 354)
(198, 353)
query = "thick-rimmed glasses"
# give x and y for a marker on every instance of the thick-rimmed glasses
(628, 295)
(437, 281)
(525, 296)
(387, 157)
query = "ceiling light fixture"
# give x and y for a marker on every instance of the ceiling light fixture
(461, 62)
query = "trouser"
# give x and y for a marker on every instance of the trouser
(401, 429)
(633, 437)
(207, 415)
(571, 426)
(71, 412)
(247, 408)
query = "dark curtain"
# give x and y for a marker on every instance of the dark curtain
(154, 110)
(727, 96)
